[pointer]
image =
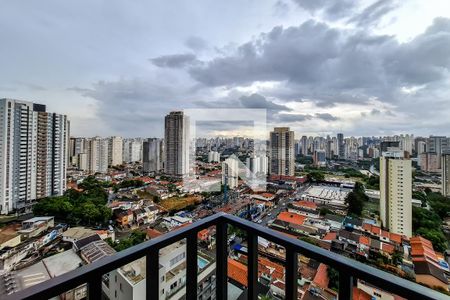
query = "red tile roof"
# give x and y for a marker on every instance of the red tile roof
(237, 271)
(270, 268)
(321, 277)
(422, 247)
(364, 240)
(388, 248)
(152, 233)
(330, 236)
(291, 218)
(396, 238)
(307, 204)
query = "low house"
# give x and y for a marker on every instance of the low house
(123, 217)
(430, 275)
(176, 221)
(34, 226)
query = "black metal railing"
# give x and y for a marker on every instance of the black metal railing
(348, 269)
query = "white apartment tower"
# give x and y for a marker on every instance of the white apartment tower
(33, 154)
(115, 151)
(396, 192)
(176, 139)
(230, 172)
(282, 151)
(132, 150)
(52, 154)
(97, 155)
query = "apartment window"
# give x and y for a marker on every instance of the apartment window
(120, 287)
(115, 294)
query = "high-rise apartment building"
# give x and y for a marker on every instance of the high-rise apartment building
(230, 172)
(446, 174)
(282, 160)
(396, 192)
(319, 158)
(304, 145)
(438, 145)
(340, 146)
(52, 154)
(176, 139)
(97, 155)
(153, 153)
(258, 164)
(33, 154)
(132, 150)
(213, 156)
(115, 151)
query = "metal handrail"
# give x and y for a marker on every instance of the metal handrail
(348, 269)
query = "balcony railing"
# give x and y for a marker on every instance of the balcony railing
(348, 269)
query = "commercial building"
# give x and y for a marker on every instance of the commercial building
(176, 139)
(282, 151)
(153, 153)
(396, 193)
(33, 154)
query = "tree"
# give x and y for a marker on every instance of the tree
(428, 224)
(315, 176)
(324, 210)
(333, 278)
(136, 237)
(355, 203)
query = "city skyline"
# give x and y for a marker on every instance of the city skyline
(352, 73)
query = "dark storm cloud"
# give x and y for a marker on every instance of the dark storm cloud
(330, 65)
(292, 118)
(258, 101)
(326, 117)
(136, 105)
(331, 9)
(174, 60)
(250, 101)
(373, 13)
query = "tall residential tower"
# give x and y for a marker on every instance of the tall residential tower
(33, 154)
(396, 192)
(282, 160)
(176, 141)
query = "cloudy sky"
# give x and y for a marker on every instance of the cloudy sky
(319, 66)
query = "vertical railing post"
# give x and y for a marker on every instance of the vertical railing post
(221, 260)
(94, 287)
(152, 274)
(252, 263)
(191, 266)
(345, 285)
(291, 274)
